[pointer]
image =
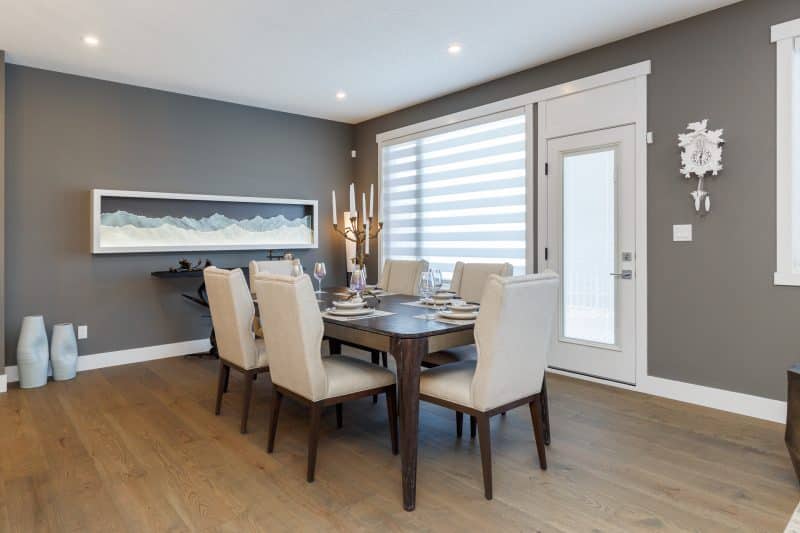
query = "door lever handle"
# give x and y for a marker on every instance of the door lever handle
(625, 274)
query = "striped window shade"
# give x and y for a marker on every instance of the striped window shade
(457, 194)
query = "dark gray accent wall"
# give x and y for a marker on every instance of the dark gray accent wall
(715, 318)
(67, 135)
(2, 200)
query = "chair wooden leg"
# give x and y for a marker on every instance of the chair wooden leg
(385, 359)
(221, 381)
(459, 424)
(227, 378)
(248, 393)
(391, 406)
(313, 440)
(273, 421)
(472, 426)
(538, 429)
(485, 440)
(545, 411)
(376, 355)
(339, 414)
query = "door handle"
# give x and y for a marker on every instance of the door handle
(625, 274)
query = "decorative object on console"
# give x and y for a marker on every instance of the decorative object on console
(358, 229)
(136, 221)
(64, 352)
(701, 153)
(185, 266)
(32, 353)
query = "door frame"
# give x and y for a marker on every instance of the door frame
(559, 117)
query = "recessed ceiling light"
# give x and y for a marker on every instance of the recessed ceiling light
(454, 49)
(91, 40)
(341, 95)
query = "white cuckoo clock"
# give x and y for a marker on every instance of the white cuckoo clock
(701, 153)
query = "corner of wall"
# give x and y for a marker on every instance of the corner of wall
(2, 219)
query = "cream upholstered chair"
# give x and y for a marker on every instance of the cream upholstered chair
(232, 313)
(402, 276)
(293, 336)
(282, 267)
(469, 280)
(513, 335)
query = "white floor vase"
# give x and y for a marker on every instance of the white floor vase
(32, 353)
(64, 352)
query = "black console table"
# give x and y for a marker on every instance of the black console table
(201, 297)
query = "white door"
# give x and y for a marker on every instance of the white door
(589, 240)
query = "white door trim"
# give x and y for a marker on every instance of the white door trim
(638, 117)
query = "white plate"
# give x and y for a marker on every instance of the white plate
(463, 307)
(471, 315)
(443, 296)
(347, 304)
(351, 312)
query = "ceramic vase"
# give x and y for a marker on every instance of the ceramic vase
(32, 353)
(64, 352)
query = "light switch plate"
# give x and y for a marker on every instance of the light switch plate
(682, 233)
(83, 332)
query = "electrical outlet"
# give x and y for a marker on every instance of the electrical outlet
(83, 332)
(682, 233)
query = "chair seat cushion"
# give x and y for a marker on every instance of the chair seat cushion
(451, 355)
(452, 382)
(347, 375)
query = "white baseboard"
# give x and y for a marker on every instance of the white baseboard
(723, 400)
(125, 357)
(3, 383)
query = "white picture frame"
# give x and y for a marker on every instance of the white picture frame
(101, 244)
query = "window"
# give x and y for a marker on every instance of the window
(787, 37)
(457, 193)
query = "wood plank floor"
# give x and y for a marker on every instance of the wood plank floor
(137, 448)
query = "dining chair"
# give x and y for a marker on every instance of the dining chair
(282, 267)
(293, 331)
(232, 313)
(402, 276)
(513, 334)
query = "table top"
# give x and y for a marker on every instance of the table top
(401, 324)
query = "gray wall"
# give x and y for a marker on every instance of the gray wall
(715, 317)
(2, 195)
(68, 134)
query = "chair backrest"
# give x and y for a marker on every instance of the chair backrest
(402, 276)
(282, 267)
(293, 334)
(513, 335)
(232, 313)
(469, 279)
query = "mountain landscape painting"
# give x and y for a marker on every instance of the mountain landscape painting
(165, 222)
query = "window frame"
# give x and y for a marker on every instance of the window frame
(787, 39)
(494, 114)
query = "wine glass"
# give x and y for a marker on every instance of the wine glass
(319, 274)
(436, 275)
(358, 281)
(426, 286)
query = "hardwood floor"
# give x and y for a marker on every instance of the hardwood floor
(138, 448)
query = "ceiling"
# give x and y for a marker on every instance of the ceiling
(295, 55)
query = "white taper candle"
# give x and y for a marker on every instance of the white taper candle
(333, 200)
(352, 200)
(371, 198)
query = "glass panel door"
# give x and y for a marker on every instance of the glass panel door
(589, 246)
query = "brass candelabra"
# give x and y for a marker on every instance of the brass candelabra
(359, 233)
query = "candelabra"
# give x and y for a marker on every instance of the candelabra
(359, 233)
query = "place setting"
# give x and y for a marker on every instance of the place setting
(352, 305)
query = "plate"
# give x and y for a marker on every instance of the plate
(470, 315)
(363, 311)
(463, 307)
(443, 296)
(347, 304)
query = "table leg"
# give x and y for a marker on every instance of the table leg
(408, 354)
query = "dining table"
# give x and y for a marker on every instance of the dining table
(408, 334)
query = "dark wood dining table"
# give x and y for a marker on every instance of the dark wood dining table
(407, 339)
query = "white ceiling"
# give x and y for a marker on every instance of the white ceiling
(295, 55)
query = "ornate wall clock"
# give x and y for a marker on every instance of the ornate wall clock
(701, 153)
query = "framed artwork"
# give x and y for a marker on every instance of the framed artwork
(138, 221)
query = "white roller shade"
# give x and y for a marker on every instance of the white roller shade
(457, 194)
